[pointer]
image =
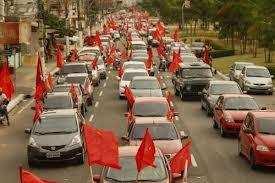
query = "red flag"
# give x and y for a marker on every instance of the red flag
(59, 58)
(177, 163)
(146, 152)
(206, 56)
(38, 111)
(28, 177)
(124, 55)
(156, 35)
(49, 82)
(73, 92)
(120, 71)
(175, 62)
(40, 88)
(74, 56)
(111, 56)
(161, 49)
(94, 63)
(176, 35)
(6, 82)
(129, 96)
(102, 147)
(149, 62)
(161, 28)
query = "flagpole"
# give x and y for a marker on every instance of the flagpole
(137, 177)
(185, 172)
(91, 173)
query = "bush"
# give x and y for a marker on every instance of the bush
(222, 53)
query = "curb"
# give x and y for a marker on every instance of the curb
(14, 102)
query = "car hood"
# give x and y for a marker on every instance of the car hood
(124, 83)
(237, 116)
(54, 140)
(268, 140)
(199, 81)
(259, 80)
(166, 146)
(147, 92)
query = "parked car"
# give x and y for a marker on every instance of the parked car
(236, 69)
(230, 111)
(257, 138)
(256, 79)
(146, 86)
(58, 100)
(213, 90)
(56, 137)
(133, 65)
(128, 172)
(197, 48)
(191, 79)
(101, 68)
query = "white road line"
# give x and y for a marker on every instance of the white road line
(104, 84)
(96, 104)
(193, 161)
(91, 117)
(25, 107)
(100, 94)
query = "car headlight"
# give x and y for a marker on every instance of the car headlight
(262, 148)
(32, 142)
(75, 141)
(269, 83)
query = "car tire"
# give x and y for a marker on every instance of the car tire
(81, 159)
(121, 97)
(252, 160)
(89, 101)
(181, 95)
(83, 110)
(215, 124)
(270, 93)
(222, 132)
(176, 91)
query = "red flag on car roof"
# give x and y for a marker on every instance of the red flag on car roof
(49, 82)
(38, 111)
(161, 49)
(175, 62)
(6, 82)
(161, 28)
(102, 147)
(73, 92)
(59, 58)
(40, 89)
(177, 163)
(146, 152)
(120, 71)
(149, 62)
(94, 63)
(28, 177)
(129, 96)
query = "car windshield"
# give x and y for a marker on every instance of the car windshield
(266, 125)
(218, 89)
(89, 52)
(87, 57)
(128, 171)
(139, 47)
(77, 79)
(197, 44)
(145, 84)
(128, 76)
(56, 124)
(188, 59)
(134, 66)
(240, 67)
(77, 68)
(240, 103)
(150, 109)
(58, 102)
(257, 72)
(197, 73)
(165, 131)
(139, 54)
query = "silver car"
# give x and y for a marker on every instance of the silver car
(236, 69)
(256, 79)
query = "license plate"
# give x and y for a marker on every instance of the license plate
(53, 155)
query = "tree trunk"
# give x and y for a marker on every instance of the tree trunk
(195, 27)
(269, 55)
(265, 55)
(232, 39)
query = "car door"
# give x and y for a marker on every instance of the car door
(242, 135)
(248, 138)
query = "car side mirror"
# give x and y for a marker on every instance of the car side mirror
(96, 178)
(164, 87)
(264, 108)
(125, 138)
(56, 74)
(28, 131)
(183, 135)
(204, 92)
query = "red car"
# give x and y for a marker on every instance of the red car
(230, 111)
(257, 138)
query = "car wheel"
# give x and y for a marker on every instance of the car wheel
(83, 110)
(239, 148)
(208, 110)
(222, 132)
(121, 97)
(176, 91)
(215, 124)
(270, 93)
(81, 159)
(181, 95)
(252, 160)
(90, 101)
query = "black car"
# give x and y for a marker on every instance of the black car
(56, 137)
(191, 78)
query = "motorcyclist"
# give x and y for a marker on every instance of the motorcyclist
(3, 105)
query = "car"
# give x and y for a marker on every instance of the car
(70, 68)
(58, 100)
(236, 69)
(90, 49)
(82, 101)
(145, 86)
(85, 83)
(139, 54)
(101, 68)
(105, 40)
(213, 90)
(138, 45)
(56, 138)
(87, 57)
(133, 65)
(256, 79)
(197, 48)
(164, 133)
(257, 139)
(191, 78)
(126, 78)
(188, 57)
(157, 107)
(128, 172)
(230, 111)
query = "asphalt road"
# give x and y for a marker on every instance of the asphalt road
(214, 159)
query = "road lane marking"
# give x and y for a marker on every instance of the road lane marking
(104, 84)
(193, 161)
(100, 94)
(96, 104)
(25, 107)
(91, 117)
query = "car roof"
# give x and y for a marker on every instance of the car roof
(152, 120)
(255, 66)
(150, 99)
(263, 113)
(77, 75)
(194, 65)
(59, 112)
(58, 94)
(132, 151)
(134, 70)
(144, 78)
(133, 62)
(75, 63)
(236, 95)
(222, 82)
(138, 42)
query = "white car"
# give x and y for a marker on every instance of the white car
(236, 69)
(127, 77)
(90, 49)
(133, 65)
(138, 45)
(256, 79)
